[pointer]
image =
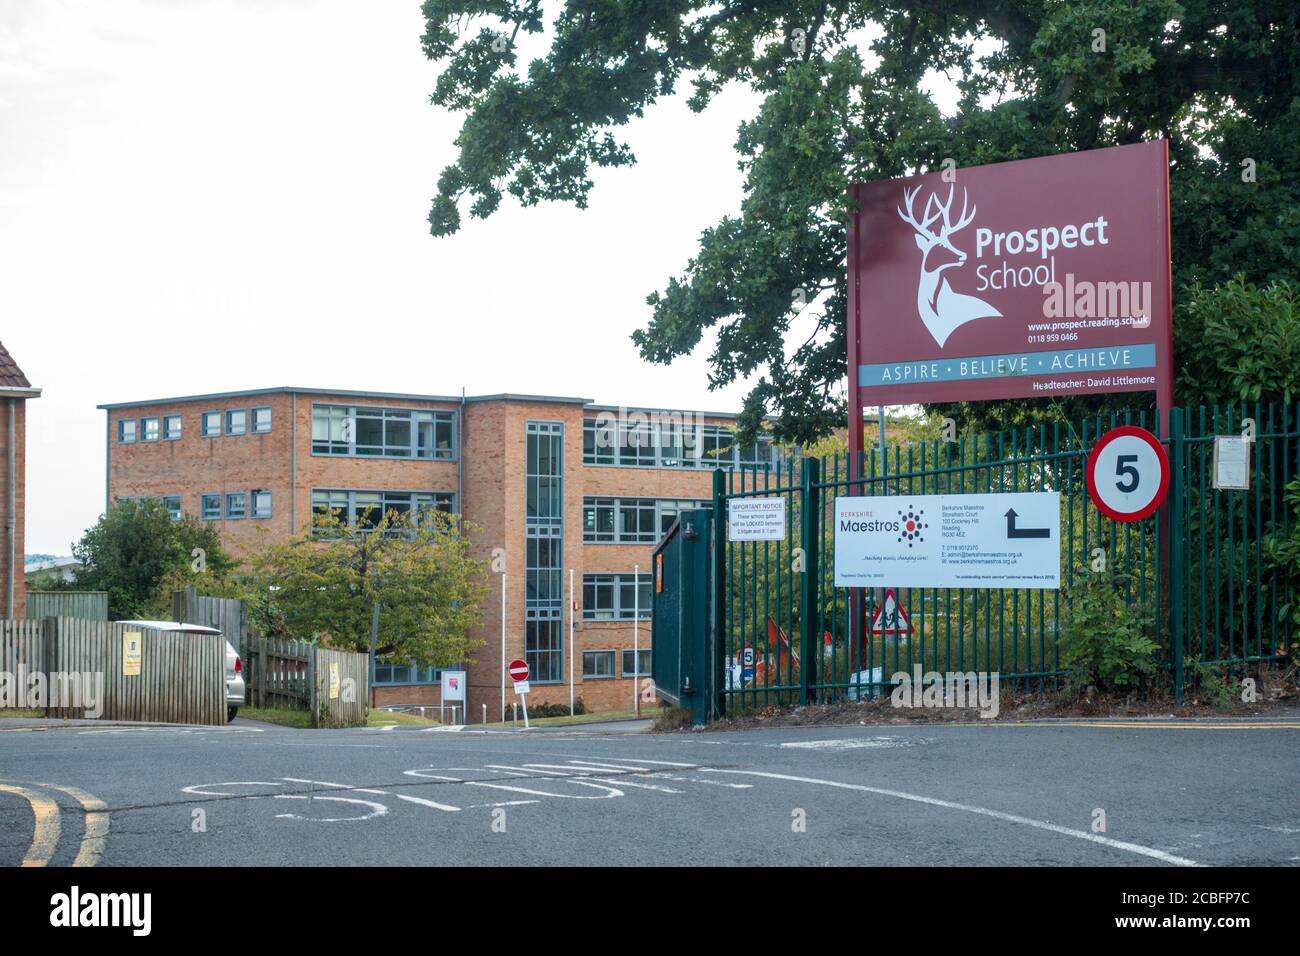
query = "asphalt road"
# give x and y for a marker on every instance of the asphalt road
(1172, 793)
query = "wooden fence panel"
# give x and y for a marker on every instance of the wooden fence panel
(92, 605)
(340, 688)
(22, 653)
(182, 677)
(227, 615)
(276, 672)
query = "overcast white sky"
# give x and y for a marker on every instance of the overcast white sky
(206, 195)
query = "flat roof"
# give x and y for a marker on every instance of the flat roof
(408, 396)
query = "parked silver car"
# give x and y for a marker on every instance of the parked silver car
(235, 688)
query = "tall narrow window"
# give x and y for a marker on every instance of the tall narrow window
(544, 550)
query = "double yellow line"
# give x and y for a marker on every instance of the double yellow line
(1160, 725)
(45, 835)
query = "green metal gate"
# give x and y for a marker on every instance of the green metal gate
(1196, 569)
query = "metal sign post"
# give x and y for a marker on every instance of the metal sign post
(636, 638)
(519, 674)
(503, 647)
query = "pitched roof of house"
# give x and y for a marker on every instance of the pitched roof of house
(11, 376)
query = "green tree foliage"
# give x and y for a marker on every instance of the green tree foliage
(1252, 343)
(845, 99)
(138, 554)
(324, 585)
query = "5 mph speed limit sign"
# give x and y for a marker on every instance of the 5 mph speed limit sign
(1128, 473)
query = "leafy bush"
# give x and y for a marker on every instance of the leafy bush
(1105, 640)
(553, 710)
(1283, 553)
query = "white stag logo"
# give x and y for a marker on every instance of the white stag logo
(941, 309)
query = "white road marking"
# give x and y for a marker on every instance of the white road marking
(624, 782)
(198, 790)
(377, 809)
(1278, 829)
(982, 811)
(610, 792)
(526, 768)
(856, 743)
(336, 786)
(661, 775)
(430, 776)
(624, 766)
(427, 803)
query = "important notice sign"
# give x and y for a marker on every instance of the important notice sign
(756, 519)
(1038, 277)
(949, 541)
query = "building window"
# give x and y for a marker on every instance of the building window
(370, 431)
(171, 427)
(210, 424)
(173, 505)
(597, 664)
(126, 430)
(363, 509)
(261, 503)
(149, 429)
(236, 421)
(210, 507)
(632, 520)
(236, 505)
(615, 597)
(641, 440)
(388, 672)
(544, 550)
(642, 665)
(261, 419)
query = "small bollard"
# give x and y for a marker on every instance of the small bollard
(514, 714)
(485, 713)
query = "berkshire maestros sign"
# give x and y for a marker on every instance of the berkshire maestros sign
(1037, 277)
(1010, 540)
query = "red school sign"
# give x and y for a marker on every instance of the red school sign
(1030, 278)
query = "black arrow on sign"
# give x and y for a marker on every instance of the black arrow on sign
(1014, 532)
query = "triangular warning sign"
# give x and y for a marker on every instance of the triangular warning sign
(890, 618)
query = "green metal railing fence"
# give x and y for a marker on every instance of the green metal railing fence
(1196, 569)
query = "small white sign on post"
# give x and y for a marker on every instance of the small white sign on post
(1231, 463)
(756, 519)
(521, 687)
(453, 686)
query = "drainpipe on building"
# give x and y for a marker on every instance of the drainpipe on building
(293, 464)
(11, 494)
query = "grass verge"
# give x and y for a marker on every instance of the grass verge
(301, 717)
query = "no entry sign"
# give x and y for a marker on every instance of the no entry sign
(518, 670)
(1128, 473)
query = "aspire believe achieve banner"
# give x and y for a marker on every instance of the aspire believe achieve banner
(1036, 277)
